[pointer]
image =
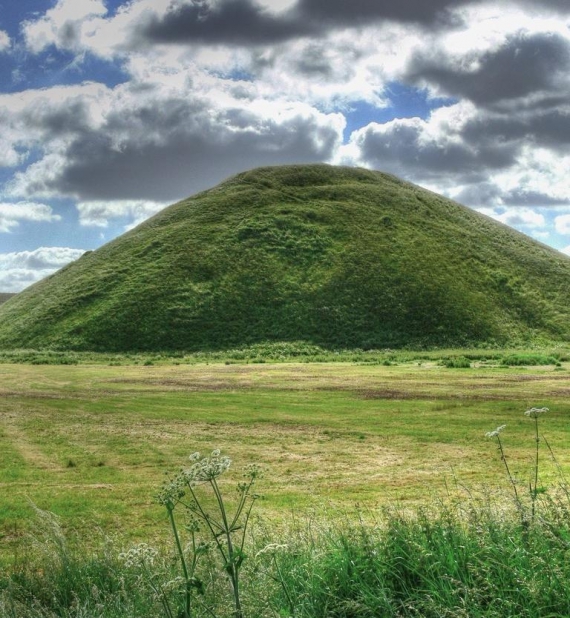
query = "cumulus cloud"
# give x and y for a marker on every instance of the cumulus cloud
(335, 71)
(9, 155)
(219, 86)
(562, 224)
(549, 128)
(524, 65)
(430, 150)
(63, 25)
(253, 23)
(98, 214)
(241, 22)
(4, 41)
(246, 22)
(12, 214)
(36, 120)
(164, 142)
(538, 178)
(20, 269)
(362, 11)
(524, 197)
(559, 6)
(509, 192)
(525, 218)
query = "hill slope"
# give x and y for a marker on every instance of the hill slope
(334, 256)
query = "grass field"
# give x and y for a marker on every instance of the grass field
(92, 442)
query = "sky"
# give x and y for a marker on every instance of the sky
(111, 110)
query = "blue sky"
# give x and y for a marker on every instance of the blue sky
(111, 110)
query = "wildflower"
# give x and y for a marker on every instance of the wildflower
(495, 432)
(253, 471)
(535, 412)
(206, 468)
(139, 556)
(171, 492)
(203, 469)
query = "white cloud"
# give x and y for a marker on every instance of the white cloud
(4, 41)
(34, 120)
(98, 214)
(562, 224)
(335, 70)
(82, 25)
(435, 151)
(9, 155)
(12, 214)
(20, 269)
(539, 170)
(39, 102)
(516, 217)
(164, 138)
(43, 257)
(64, 25)
(566, 250)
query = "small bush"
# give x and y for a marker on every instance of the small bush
(457, 362)
(516, 360)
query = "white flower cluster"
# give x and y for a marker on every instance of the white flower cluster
(206, 468)
(172, 490)
(495, 432)
(253, 471)
(139, 556)
(203, 469)
(535, 412)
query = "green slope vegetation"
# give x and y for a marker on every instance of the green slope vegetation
(332, 256)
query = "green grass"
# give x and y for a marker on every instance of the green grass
(379, 481)
(299, 351)
(467, 556)
(514, 360)
(338, 433)
(466, 560)
(330, 257)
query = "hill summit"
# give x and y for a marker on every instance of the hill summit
(340, 257)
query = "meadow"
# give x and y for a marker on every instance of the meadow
(90, 441)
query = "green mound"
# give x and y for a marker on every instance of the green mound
(338, 257)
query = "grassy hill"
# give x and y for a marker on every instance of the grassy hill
(332, 256)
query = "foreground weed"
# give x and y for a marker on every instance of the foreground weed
(534, 489)
(535, 413)
(225, 532)
(496, 433)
